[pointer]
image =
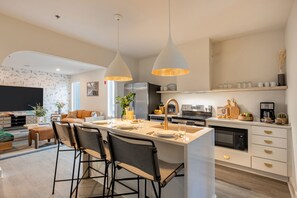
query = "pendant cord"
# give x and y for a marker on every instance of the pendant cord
(169, 20)
(118, 34)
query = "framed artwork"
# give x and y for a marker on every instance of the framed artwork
(92, 88)
(221, 111)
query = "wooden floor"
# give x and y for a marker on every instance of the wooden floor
(32, 175)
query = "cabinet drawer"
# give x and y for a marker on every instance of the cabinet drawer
(6, 125)
(270, 166)
(7, 118)
(267, 152)
(269, 141)
(235, 157)
(269, 131)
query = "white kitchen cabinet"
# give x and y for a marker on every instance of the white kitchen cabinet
(237, 157)
(197, 55)
(270, 150)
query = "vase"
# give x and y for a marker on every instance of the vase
(281, 78)
(59, 110)
(129, 113)
(41, 119)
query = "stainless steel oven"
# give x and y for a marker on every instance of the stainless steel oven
(234, 138)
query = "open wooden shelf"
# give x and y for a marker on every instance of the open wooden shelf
(228, 90)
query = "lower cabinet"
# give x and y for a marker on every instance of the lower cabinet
(270, 150)
(267, 151)
(271, 166)
(241, 158)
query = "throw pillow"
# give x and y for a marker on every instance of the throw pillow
(72, 114)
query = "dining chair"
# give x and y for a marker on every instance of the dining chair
(139, 156)
(89, 141)
(64, 136)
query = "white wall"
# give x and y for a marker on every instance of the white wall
(197, 55)
(56, 87)
(291, 46)
(99, 103)
(247, 101)
(95, 103)
(248, 58)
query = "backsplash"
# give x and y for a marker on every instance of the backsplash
(56, 87)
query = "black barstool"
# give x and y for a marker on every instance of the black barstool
(139, 156)
(89, 141)
(64, 135)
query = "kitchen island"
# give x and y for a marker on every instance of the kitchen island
(195, 149)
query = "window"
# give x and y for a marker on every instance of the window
(111, 88)
(75, 98)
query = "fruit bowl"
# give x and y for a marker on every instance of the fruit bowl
(158, 112)
(246, 117)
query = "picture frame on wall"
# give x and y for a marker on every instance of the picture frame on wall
(93, 88)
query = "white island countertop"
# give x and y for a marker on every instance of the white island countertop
(196, 150)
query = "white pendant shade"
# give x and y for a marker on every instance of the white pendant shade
(118, 70)
(170, 62)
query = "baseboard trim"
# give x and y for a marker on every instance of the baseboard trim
(292, 190)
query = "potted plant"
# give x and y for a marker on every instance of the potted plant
(39, 111)
(125, 102)
(59, 105)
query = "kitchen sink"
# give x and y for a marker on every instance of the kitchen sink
(174, 127)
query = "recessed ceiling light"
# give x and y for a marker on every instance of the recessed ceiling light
(58, 69)
(57, 16)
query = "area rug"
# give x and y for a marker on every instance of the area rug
(20, 145)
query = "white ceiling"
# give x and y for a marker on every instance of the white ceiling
(48, 63)
(144, 28)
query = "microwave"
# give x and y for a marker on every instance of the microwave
(235, 138)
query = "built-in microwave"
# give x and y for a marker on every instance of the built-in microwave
(234, 138)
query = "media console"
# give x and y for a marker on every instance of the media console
(16, 120)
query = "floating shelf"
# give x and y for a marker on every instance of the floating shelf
(227, 90)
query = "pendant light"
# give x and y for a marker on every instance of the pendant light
(170, 62)
(118, 70)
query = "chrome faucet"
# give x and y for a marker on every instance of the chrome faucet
(166, 111)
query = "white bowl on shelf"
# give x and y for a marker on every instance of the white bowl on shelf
(171, 87)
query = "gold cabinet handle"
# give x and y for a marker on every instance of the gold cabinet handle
(268, 151)
(268, 165)
(267, 132)
(227, 157)
(268, 141)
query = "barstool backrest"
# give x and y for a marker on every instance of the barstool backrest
(89, 138)
(63, 133)
(136, 152)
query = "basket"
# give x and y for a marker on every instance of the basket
(244, 118)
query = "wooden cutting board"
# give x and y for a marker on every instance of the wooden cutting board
(234, 112)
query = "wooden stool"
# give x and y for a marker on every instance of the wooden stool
(40, 133)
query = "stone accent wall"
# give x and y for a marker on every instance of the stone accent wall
(56, 87)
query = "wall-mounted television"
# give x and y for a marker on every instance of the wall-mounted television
(19, 98)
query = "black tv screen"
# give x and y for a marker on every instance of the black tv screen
(19, 98)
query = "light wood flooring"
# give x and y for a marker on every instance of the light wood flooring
(31, 176)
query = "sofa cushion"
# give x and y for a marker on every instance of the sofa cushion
(79, 113)
(73, 120)
(86, 114)
(72, 114)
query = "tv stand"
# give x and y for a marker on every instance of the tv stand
(17, 121)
